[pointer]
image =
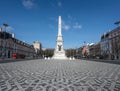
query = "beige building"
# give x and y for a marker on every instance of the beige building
(37, 45)
(38, 48)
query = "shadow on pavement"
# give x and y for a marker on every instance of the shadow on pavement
(15, 60)
(105, 61)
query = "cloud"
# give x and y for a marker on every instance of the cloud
(71, 27)
(70, 24)
(66, 27)
(28, 4)
(55, 3)
(77, 26)
(59, 4)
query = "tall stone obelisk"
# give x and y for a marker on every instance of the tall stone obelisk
(59, 52)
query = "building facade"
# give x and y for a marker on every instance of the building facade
(105, 46)
(110, 44)
(38, 48)
(114, 38)
(10, 45)
(79, 52)
(95, 50)
(37, 45)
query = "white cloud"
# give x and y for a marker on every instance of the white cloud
(55, 3)
(66, 27)
(71, 26)
(28, 4)
(59, 4)
(77, 26)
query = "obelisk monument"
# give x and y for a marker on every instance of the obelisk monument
(59, 52)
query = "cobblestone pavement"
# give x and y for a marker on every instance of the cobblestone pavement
(59, 75)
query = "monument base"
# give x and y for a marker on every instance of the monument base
(59, 55)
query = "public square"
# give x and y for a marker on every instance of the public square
(59, 75)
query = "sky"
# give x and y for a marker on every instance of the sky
(37, 20)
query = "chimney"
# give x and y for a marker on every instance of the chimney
(13, 35)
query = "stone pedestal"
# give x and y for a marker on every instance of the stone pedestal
(59, 55)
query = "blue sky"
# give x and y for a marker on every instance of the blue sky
(37, 20)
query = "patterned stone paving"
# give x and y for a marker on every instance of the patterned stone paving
(59, 75)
